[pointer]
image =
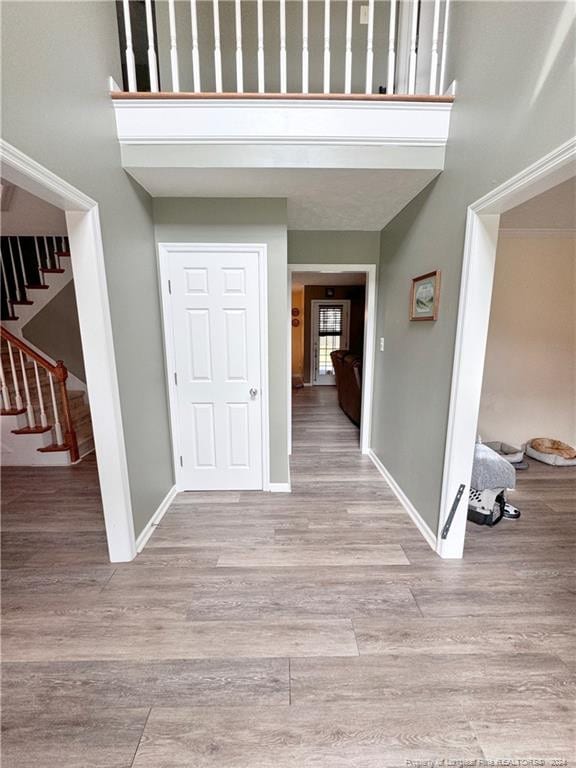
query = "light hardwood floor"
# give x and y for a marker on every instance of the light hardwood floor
(271, 631)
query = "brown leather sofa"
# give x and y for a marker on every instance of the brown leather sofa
(348, 371)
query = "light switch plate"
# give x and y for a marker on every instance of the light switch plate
(382, 344)
(363, 14)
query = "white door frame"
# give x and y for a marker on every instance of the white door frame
(261, 249)
(314, 329)
(88, 269)
(369, 343)
(472, 330)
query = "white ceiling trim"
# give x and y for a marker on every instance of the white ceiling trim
(540, 233)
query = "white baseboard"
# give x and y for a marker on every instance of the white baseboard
(142, 540)
(280, 488)
(417, 519)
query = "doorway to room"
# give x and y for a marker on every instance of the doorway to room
(331, 352)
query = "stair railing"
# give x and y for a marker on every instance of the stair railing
(19, 356)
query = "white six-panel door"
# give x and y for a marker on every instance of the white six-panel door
(214, 306)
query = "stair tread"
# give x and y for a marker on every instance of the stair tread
(53, 448)
(32, 430)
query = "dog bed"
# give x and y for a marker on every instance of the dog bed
(508, 452)
(553, 452)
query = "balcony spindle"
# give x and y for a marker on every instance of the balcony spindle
(217, 51)
(348, 60)
(326, 46)
(239, 57)
(129, 53)
(370, 47)
(29, 409)
(5, 392)
(413, 48)
(57, 426)
(434, 54)
(17, 395)
(261, 81)
(443, 84)
(43, 419)
(18, 292)
(283, 86)
(195, 49)
(391, 48)
(305, 54)
(173, 47)
(152, 62)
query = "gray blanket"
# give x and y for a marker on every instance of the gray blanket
(490, 470)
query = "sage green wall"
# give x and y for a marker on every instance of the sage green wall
(56, 58)
(55, 331)
(333, 247)
(514, 64)
(221, 220)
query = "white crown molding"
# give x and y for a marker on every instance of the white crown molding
(542, 233)
(316, 141)
(417, 518)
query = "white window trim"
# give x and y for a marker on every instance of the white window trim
(164, 251)
(314, 320)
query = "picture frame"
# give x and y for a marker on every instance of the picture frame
(425, 296)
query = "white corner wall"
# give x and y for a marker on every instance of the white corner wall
(529, 387)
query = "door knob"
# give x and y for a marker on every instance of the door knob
(253, 392)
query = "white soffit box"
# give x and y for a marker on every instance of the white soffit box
(294, 122)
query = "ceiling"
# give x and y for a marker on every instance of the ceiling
(328, 278)
(26, 214)
(553, 209)
(317, 198)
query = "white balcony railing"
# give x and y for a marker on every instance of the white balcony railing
(292, 47)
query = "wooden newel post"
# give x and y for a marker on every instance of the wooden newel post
(61, 374)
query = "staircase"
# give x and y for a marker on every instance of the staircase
(44, 419)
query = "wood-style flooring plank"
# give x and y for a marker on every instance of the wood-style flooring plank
(339, 736)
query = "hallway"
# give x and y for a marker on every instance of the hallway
(315, 628)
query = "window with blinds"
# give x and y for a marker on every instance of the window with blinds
(330, 319)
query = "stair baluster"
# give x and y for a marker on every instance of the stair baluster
(24, 275)
(17, 395)
(5, 393)
(39, 260)
(31, 419)
(18, 292)
(43, 418)
(57, 426)
(6, 291)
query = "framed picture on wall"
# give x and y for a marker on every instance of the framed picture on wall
(425, 296)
